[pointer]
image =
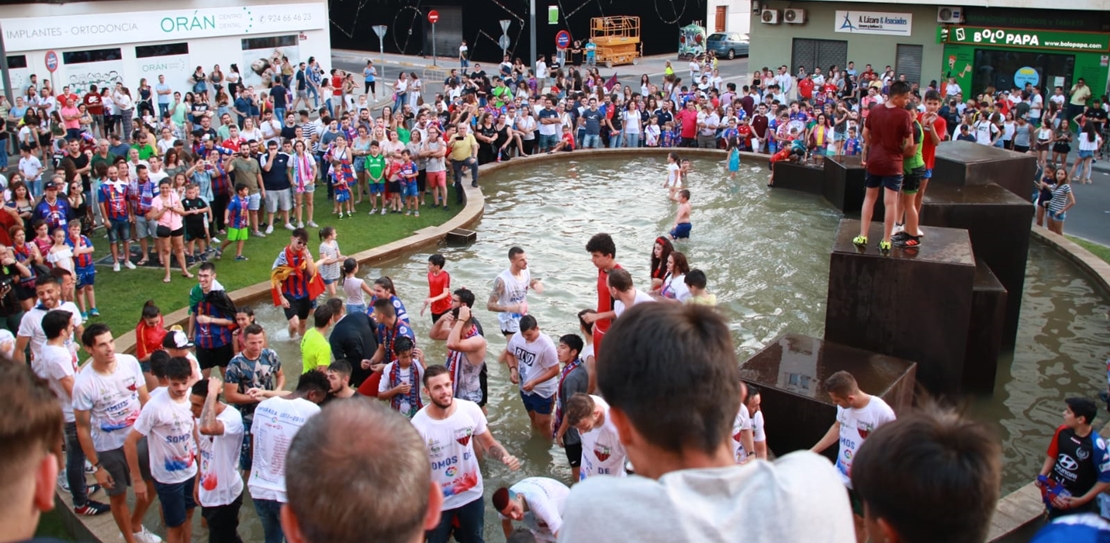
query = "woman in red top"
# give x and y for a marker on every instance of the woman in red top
(148, 338)
(337, 91)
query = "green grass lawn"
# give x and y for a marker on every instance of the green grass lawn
(120, 296)
(51, 525)
(1096, 249)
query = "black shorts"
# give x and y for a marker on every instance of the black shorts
(437, 316)
(422, 180)
(574, 454)
(211, 358)
(483, 384)
(395, 188)
(911, 181)
(195, 231)
(299, 307)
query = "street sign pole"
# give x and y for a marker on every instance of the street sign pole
(433, 17)
(380, 30)
(532, 32)
(4, 75)
(504, 40)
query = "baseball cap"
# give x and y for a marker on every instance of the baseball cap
(50, 185)
(176, 339)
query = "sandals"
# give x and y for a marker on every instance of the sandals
(908, 242)
(142, 262)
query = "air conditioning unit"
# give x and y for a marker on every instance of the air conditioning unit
(794, 16)
(771, 16)
(950, 15)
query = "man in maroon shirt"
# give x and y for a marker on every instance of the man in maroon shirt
(96, 109)
(885, 144)
(689, 119)
(759, 128)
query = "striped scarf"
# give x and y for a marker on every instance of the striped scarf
(560, 401)
(455, 361)
(302, 171)
(414, 388)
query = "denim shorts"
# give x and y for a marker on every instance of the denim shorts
(120, 230)
(1058, 217)
(547, 142)
(254, 201)
(1086, 154)
(411, 190)
(176, 499)
(536, 403)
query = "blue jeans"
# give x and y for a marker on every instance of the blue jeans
(269, 513)
(279, 114)
(402, 99)
(471, 520)
(4, 154)
(457, 167)
(315, 94)
(75, 466)
(163, 109)
(615, 140)
(632, 140)
(591, 141)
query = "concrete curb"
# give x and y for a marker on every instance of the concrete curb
(1097, 268)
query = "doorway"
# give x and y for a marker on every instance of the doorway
(722, 15)
(1004, 70)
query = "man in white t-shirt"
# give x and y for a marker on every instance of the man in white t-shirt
(449, 427)
(602, 452)
(374, 486)
(534, 364)
(857, 415)
(168, 422)
(759, 428)
(509, 298)
(538, 502)
(49, 292)
(57, 363)
(107, 396)
(219, 438)
(687, 486)
(986, 132)
(276, 422)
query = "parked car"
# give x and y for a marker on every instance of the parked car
(728, 44)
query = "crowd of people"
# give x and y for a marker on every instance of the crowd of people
(201, 414)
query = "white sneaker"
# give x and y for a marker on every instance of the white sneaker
(312, 224)
(215, 240)
(146, 536)
(289, 226)
(115, 267)
(383, 211)
(63, 482)
(129, 264)
(269, 229)
(300, 224)
(89, 468)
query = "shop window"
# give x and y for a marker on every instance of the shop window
(822, 53)
(1002, 69)
(272, 42)
(908, 63)
(17, 61)
(92, 55)
(163, 50)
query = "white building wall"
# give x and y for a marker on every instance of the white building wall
(213, 29)
(738, 18)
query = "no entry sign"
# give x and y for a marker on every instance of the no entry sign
(433, 16)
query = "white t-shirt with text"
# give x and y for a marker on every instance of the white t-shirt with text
(855, 426)
(546, 499)
(602, 451)
(276, 422)
(168, 425)
(55, 363)
(535, 358)
(450, 444)
(220, 482)
(111, 400)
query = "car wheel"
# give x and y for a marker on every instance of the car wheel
(731, 54)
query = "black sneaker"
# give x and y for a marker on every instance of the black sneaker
(92, 509)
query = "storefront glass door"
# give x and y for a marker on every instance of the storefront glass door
(1005, 69)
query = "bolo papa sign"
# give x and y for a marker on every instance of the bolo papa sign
(100, 29)
(1030, 39)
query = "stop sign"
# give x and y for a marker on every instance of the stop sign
(433, 16)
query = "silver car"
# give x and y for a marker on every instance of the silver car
(728, 44)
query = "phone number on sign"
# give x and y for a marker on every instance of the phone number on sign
(286, 18)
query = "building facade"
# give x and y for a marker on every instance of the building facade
(84, 43)
(1009, 44)
(728, 16)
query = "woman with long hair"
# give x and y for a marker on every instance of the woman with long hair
(674, 283)
(146, 98)
(660, 251)
(22, 201)
(303, 166)
(415, 91)
(126, 105)
(1089, 142)
(400, 91)
(1062, 200)
(166, 209)
(1061, 143)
